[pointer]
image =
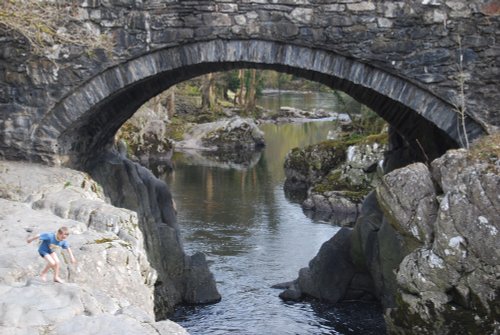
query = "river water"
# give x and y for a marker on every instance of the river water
(255, 237)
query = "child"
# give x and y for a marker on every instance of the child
(50, 241)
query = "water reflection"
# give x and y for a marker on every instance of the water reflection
(254, 237)
(273, 100)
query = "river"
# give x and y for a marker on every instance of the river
(254, 237)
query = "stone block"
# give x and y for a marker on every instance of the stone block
(361, 6)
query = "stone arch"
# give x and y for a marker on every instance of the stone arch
(85, 121)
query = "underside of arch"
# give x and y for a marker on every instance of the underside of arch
(85, 122)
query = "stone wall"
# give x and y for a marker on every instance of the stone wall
(402, 58)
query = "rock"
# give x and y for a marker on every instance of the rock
(334, 206)
(292, 114)
(452, 281)
(291, 291)
(110, 288)
(330, 272)
(200, 283)
(180, 278)
(308, 165)
(408, 199)
(145, 134)
(117, 325)
(335, 177)
(227, 134)
(377, 249)
(425, 245)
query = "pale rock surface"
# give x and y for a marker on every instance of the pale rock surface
(226, 134)
(109, 290)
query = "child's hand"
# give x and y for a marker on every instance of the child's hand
(31, 239)
(73, 261)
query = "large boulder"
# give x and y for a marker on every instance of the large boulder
(303, 167)
(331, 275)
(145, 134)
(225, 135)
(129, 185)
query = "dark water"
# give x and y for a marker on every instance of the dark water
(254, 237)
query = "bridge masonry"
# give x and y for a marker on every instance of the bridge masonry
(429, 44)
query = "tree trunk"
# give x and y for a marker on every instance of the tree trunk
(171, 102)
(241, 76)
(251, 92)
(207, 93)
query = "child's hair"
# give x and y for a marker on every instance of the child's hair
(63, 230)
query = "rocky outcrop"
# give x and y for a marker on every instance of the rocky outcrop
(449, 282)
(337, 175)
(224, 135)
(181, 278)
(234, 142)
(111, 286)
(425, 245)
(145, 135)
(306, 166)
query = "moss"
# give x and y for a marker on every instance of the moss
(334, 182)
(448, 319)
(382, 138)
(404, 319)
(486, 149)
(187, 89)
(356, 196)
(331, 182)
(296, 160)
(104, 240)
(175, 130)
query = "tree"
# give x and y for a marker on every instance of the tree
(208, 92)
(251, 96)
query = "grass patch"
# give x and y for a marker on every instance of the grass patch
(486, 149)
(104, 240)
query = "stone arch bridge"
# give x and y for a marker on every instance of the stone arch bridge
(416, 63)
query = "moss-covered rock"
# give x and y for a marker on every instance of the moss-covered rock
(310, 164)
(338, 175)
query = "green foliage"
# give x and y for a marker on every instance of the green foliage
(176, 129)
(189, 88)
(231, 80)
